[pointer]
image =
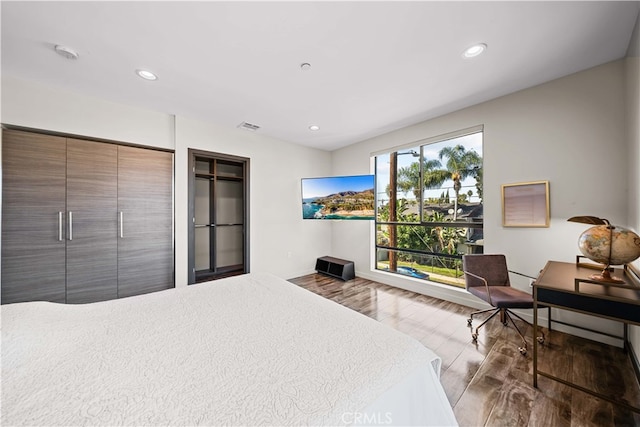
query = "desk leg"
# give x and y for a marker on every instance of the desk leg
(625, 346)
(535, 337)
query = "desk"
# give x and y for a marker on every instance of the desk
(567, 286)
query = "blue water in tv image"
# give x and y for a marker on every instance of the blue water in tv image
(338, 197)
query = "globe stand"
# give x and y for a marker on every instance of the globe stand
(606, 277)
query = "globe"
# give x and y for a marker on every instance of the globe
(595, 242)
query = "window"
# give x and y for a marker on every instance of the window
(429, 207)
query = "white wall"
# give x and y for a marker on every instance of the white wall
(633, 135)
(280, 241)
(570, 131)
(37, 106)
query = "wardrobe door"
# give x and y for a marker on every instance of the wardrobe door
(145, 209)
(92, 269)
(33, 206)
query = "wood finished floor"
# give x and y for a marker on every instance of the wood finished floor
(489, 383)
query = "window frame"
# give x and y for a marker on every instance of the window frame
(458, 224)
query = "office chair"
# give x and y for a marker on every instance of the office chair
(487, 277)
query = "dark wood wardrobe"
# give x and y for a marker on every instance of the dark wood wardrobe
(84, 221)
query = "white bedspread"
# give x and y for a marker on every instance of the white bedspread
(248, 350)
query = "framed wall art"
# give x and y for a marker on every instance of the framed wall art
(525, 204)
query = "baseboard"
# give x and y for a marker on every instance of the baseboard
(432, 289)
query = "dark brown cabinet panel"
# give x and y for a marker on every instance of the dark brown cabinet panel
(33, 213)
(84, 221)
(92, 203)
(145, 210)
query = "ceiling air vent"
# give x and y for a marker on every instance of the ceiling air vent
(248, 126)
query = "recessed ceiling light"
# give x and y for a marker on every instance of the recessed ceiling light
(314, 127)
(474, 50)
(147, 75)
(305, 66)
(66, 52)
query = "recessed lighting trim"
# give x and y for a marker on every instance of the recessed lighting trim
(475, 50)
(314, 127)
(146, 74)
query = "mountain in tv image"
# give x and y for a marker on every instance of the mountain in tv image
(341, 205)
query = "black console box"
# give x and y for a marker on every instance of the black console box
(336, 267)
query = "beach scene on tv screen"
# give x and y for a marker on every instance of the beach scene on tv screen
(339, 197)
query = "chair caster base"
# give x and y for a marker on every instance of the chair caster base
(522, 350)
(474, 337)
(540, 340)
(469, 322)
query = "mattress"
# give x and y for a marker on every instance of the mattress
(247, 350)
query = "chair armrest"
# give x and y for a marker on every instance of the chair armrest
(486, 285)
(521, 274)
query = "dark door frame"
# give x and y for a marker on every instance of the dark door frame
(193, 155)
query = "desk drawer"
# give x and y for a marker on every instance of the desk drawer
(612, 309)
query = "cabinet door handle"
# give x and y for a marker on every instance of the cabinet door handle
(121, 224)
(60, 226)
(70, 225)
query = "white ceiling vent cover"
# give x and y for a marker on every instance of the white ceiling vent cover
(248, 126)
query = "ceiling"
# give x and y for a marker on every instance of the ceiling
(375, 66)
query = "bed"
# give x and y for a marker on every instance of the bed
(247, 350)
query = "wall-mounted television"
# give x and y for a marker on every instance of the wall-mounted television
(338, 197)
